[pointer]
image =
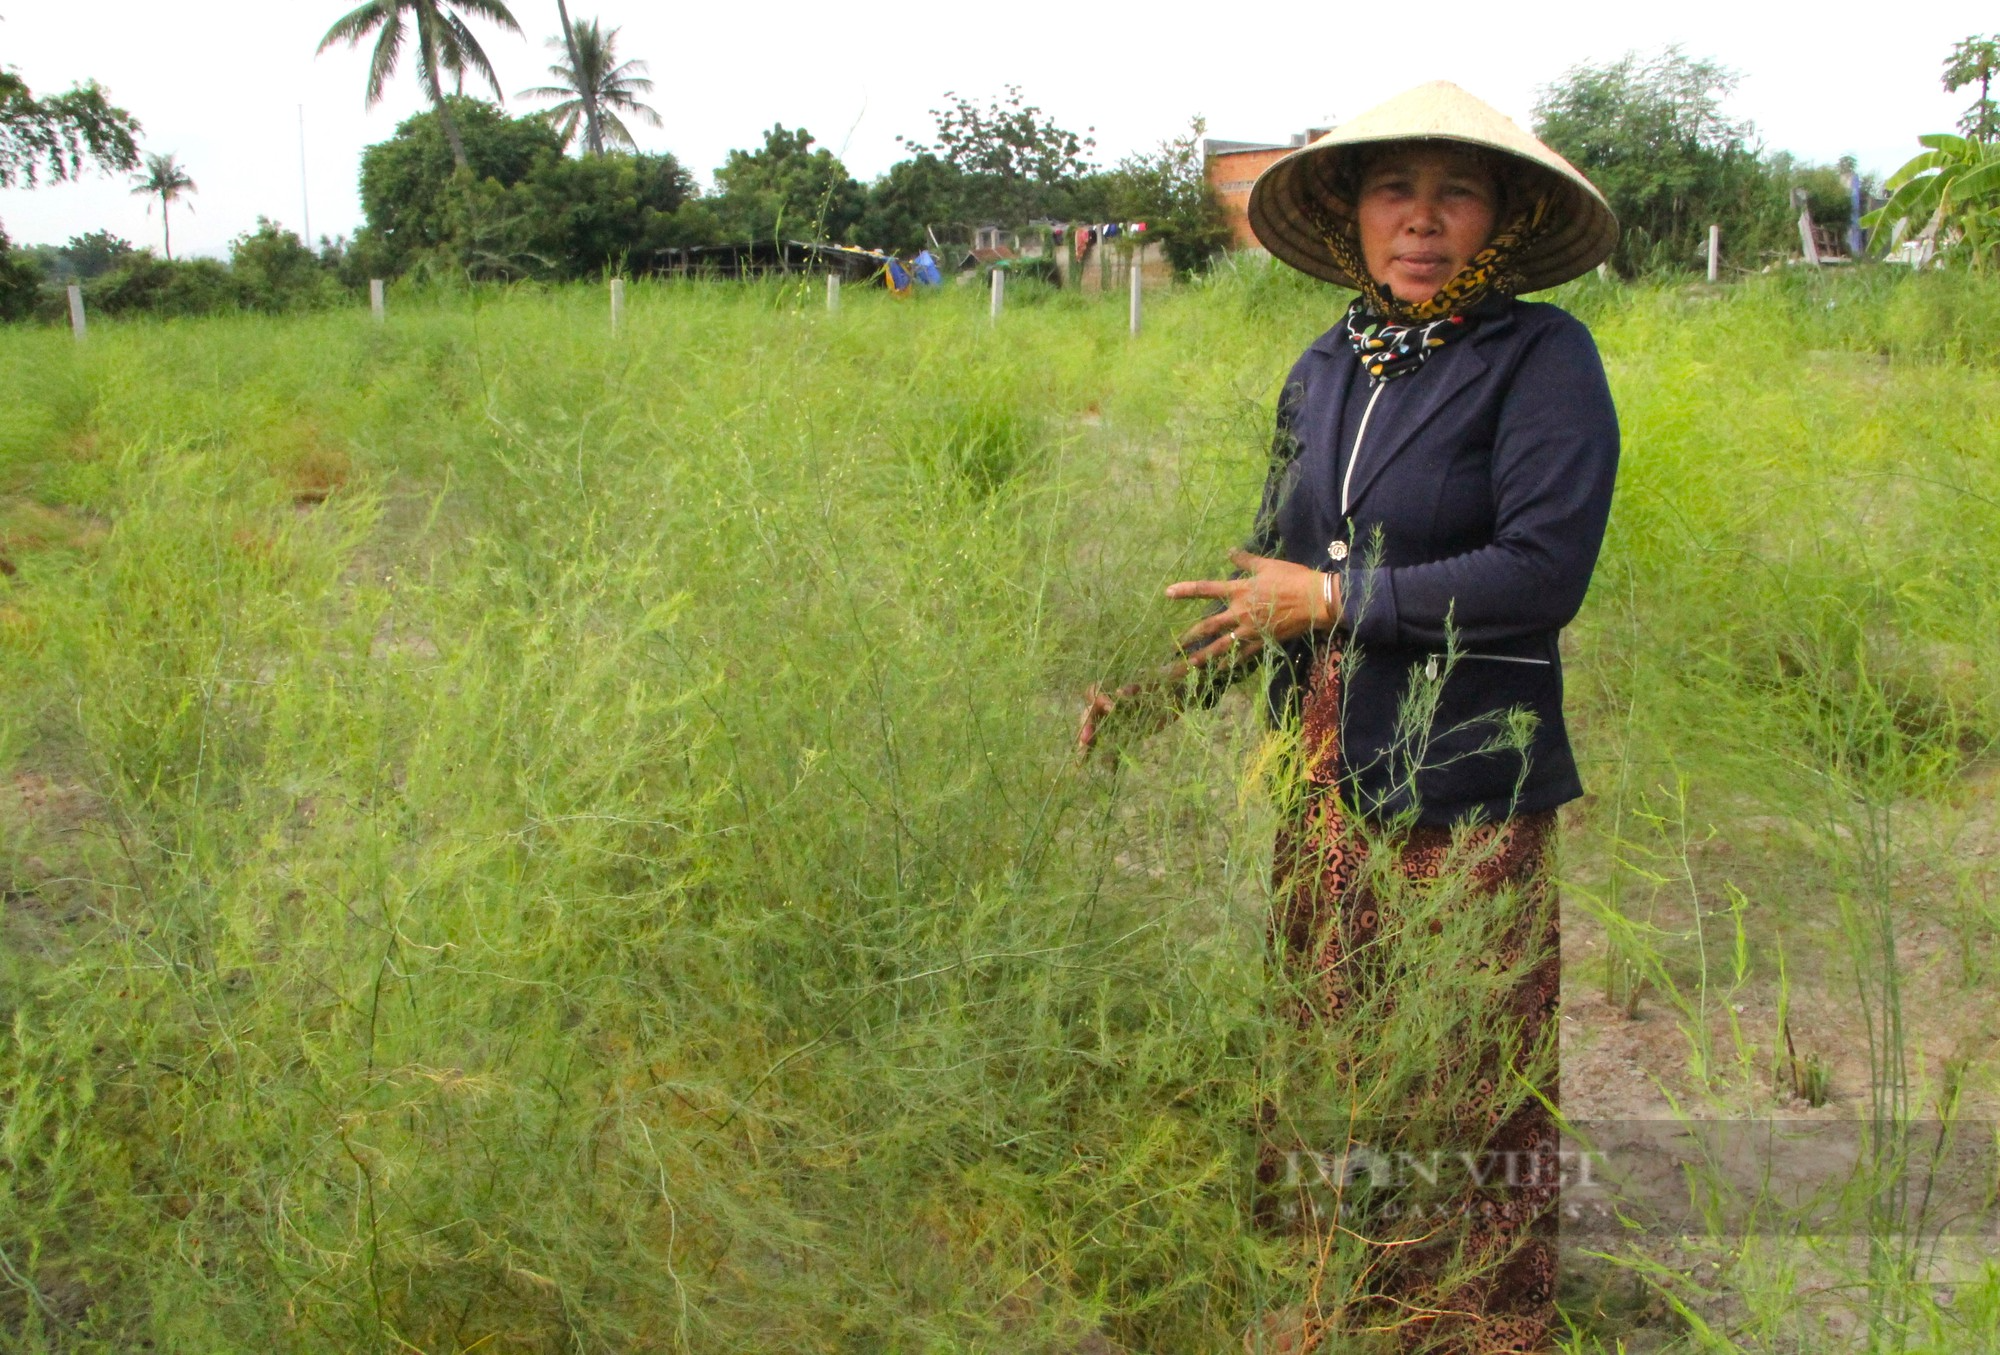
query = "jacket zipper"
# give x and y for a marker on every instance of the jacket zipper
(1354, 453)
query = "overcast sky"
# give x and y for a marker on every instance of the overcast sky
(220, 83)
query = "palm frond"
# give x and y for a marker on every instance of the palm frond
(620, 79)
(388, 49)
(565, 120)
(356, 24)
(615, 130)
(644, 112)
(492, 10)
(468, 53)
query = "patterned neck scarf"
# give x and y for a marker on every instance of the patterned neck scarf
(1392, 338)
(1388, 351)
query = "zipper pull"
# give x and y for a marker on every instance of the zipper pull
(1431, 668)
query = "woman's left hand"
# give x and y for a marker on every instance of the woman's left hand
(1276, 601)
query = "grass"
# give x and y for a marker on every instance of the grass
(519, 841)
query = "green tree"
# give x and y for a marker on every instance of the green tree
(916, 199)
(522, 208)
(594, 88)
(53, 137)
(1653, 136)
(604, 212)
(168, 181)
(1011, 153)
(1168, 189)
(1975, 61)
(445, 42)
(93, 255)
(786, 188)
(407, 181)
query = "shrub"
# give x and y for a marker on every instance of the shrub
(274, 271)
(148, 284)
(19, 281)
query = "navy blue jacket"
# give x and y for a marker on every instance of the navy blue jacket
(1476, 505)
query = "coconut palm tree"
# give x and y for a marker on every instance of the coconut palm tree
(444, 43)
(166, 180)
(589, 94)
(595, 88)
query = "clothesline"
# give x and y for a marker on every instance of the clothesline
(1088, 235)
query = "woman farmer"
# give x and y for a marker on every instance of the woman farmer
(1436, 499)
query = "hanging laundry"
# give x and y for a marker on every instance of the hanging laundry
(1111, 230)
(926, 268)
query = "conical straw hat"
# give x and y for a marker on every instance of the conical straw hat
(1286, 194)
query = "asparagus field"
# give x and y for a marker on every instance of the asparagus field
(516, 837)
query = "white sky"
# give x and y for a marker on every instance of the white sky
(220, 82)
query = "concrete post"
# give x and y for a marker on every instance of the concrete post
(1138, 283)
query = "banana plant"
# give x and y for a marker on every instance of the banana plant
(1955, 183)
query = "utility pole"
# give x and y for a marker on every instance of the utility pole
(305, 198)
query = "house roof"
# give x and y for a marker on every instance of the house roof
(1213, 146)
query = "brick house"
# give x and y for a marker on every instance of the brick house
(1234, 165)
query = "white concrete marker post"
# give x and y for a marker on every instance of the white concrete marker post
(375, 301)
(617, 303)
(76, 310)
(1714, 252)
(1138, 281)
(833, 291)
(999, 291)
